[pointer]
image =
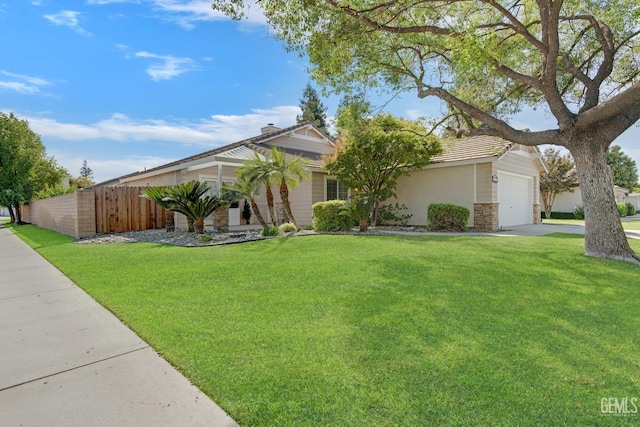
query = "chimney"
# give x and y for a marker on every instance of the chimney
(269, 128)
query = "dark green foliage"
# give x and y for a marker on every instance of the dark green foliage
(392, 214)
(313, 110)
(188, 199)
(356, 210)
(270, 230)
(326, 216)
(246, 212)
(447, 217)
(578, 212)
(622, 209)
(623, 168)
(631, 210)
(560, 215)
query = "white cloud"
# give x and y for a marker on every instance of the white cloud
(21, 83)
(167, 66)
(187, 13)
(68, 18)
(158, 135)
(101, 2)
(208, 133)
(106, 169)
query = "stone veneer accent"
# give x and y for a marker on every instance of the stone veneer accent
(485, 216)
(221, 219)
(536, 214)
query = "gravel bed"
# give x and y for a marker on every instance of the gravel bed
(172, 238)
(181, 238)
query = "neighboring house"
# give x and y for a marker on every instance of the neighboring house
(634, 199)
(496, 179)
(216, 168)
(568, 201)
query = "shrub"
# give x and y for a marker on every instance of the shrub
(631, 210)
(270, 230)
(391, 214)
(447, 217)
(359, 212)
(578, 212)
(622, 209)
(287, 227)
(326, 216)
(203, 238)
(559, 215)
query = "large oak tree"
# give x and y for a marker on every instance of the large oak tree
(578, 59)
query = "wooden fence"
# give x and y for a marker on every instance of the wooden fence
(120, 209)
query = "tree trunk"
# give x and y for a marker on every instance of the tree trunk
(258, 214)
(17, 213)
(169, 220)
(11, 214)
(199, 225)
(374, 213)
(547, 202)
(284, 194)
(272, 210)
(604, 235)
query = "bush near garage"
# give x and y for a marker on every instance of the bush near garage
(447, 217)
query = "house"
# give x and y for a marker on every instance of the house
(497, 180)
(569, 200)
(216, 167)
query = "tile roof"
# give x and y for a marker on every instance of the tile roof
(475, 147)
(249, 143)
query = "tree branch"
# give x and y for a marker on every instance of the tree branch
(496, 127)
(360, 16)
(619, 105)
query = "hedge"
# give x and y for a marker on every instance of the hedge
(559, 215)
(326, 216)
(447, 217)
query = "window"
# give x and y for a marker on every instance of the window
(336, 190)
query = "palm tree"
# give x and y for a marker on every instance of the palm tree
(246, 188)
(287, 173)
(189, 199)
(259, 171)
(158, 195)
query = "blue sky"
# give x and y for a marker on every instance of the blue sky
(129, 84)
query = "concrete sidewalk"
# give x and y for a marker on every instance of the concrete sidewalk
(67, 361)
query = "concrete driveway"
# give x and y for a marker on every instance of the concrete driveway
(67, 361)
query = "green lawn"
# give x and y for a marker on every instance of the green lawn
(380, 331)
(631, 223)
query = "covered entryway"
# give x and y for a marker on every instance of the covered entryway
(515, 198)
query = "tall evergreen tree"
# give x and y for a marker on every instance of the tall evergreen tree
(313, 110)
(86, 171)
(623, 168)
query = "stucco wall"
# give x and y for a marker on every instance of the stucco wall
(318, 190)
(71, 214)
(436, 185)
(567, 202)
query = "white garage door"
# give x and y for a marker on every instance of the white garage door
(515, 198)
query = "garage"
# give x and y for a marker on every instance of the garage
(515, 198)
